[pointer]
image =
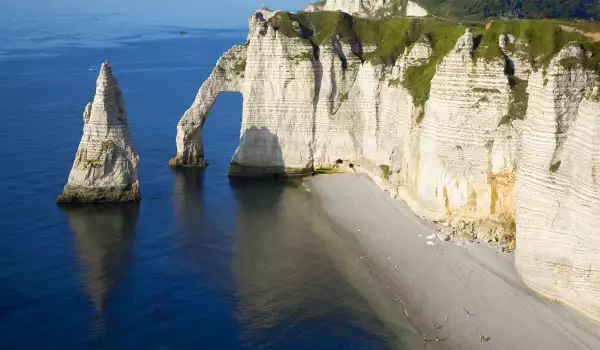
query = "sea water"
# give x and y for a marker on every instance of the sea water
(203, 262)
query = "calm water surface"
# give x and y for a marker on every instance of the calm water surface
(202, 261)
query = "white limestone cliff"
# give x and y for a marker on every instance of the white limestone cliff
(558, 186)
(106, 164)
(415, 10)
(370, 8)
(495, 145)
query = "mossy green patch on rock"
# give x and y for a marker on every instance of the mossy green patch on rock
(240, 67)
(517, 107)
(104, 147)
(385, 171)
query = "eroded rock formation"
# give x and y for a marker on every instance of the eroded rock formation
(106, 165)
(469, 131)
(370, 8)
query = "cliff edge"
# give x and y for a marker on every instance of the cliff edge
(106, 165)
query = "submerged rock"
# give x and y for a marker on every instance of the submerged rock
(106, 165)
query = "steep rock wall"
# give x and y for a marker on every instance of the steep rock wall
(558, 187)
(496, 143)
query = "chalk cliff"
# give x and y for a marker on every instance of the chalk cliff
(106, 165)
(371, 8)
(476, 127)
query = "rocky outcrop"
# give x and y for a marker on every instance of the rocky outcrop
(106, 165)
(370, 8)
(469, 131)
(415, 10)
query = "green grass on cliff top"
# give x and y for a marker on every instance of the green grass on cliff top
(538, 40)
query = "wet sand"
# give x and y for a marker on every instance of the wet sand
(456, 296)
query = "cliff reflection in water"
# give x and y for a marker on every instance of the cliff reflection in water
(189, 202)
(103, 239)
(292, 269)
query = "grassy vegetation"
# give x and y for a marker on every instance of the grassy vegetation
(390, 36)
(517, 107)
(535, 40)
(443, 37)
(538, 41)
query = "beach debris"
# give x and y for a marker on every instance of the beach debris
(389, 258)
(420, 235)
(468, 312)
(359, 230)
(431, 236)
(396, 266)
(483, 338)
(430, 243)
(445, 233)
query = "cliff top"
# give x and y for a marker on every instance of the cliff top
(538, 39)
(535, 41)
(470, 9)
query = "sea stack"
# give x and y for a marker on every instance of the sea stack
(106, 165)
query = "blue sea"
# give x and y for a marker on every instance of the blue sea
(204, 261)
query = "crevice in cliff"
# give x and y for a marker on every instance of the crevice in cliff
(336, 44)
(519, 97)
(318, 76)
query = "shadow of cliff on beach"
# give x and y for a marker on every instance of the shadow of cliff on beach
(292, 269)
(258, 155)
(103, 241)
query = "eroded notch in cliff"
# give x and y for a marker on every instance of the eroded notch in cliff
(519, 97)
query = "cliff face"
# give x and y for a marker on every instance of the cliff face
(558, 187)
(469, 130)
(370, 8)
(106, 165)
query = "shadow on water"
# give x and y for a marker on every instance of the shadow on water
(188, 192)
(103, 240)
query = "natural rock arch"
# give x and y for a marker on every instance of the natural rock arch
(227, 76)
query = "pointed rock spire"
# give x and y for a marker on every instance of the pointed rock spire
(106, 165)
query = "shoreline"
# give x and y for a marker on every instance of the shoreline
(468, 296)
